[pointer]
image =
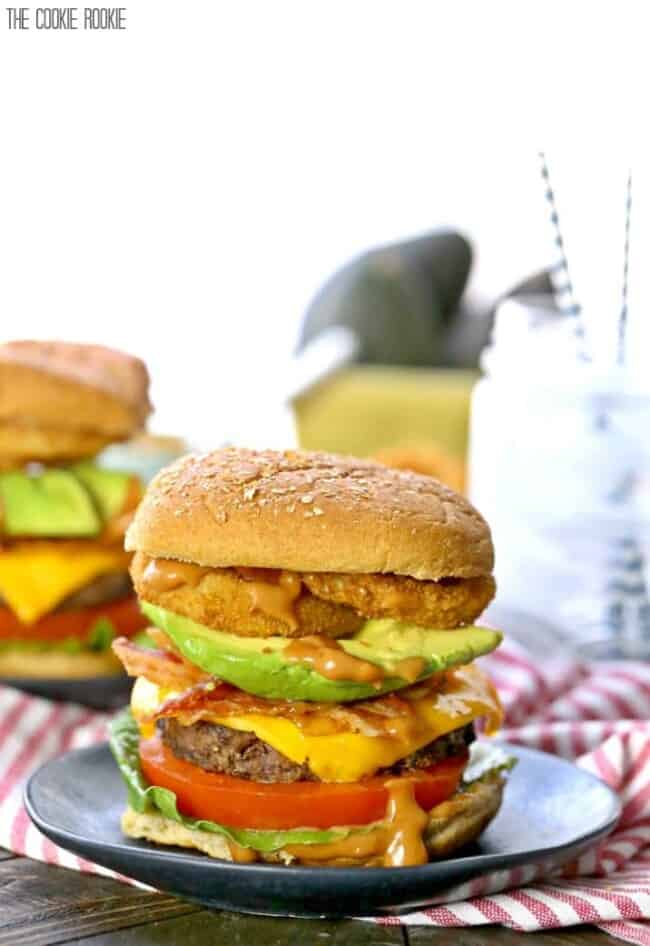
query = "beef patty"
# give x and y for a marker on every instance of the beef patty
(101, 590)
(217, 748)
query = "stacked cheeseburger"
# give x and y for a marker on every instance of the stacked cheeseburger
(312, 698)
(65, 591)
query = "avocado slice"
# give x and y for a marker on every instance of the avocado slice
(108, 488)
(51, 503)
(257, 664)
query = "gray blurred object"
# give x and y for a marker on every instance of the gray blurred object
(401, 301)
(539, 284)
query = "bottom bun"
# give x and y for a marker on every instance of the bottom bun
(55, 665)
(452, 824)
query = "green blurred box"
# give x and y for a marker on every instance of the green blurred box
(365, 408)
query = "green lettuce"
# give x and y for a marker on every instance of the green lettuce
(101, 635)
(486, 759)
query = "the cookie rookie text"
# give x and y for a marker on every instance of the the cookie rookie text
(66, 18)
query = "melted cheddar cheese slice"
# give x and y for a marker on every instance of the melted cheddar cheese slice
(349, 756)
(35, 577)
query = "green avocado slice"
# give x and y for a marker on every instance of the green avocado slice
(258, 665)
(51, 503)
(108, 488)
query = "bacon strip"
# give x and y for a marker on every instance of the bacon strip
(162, 667)
(162, 641)
(214, 699)
(202, 696)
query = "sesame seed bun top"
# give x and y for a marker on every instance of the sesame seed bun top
(307, 511)
(68, 387)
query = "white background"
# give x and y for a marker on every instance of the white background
(181, 189)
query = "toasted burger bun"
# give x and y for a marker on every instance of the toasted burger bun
(452, 825)
(60, 400)
(20, 444)
(22, 664)
(314, 512)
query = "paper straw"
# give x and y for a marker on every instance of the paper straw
(622, 322)
(560, 276)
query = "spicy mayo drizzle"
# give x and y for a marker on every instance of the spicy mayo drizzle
(241, 855)
(166, 574)
(405, 824)
(327, 657)
(272, 592)
(397, 842)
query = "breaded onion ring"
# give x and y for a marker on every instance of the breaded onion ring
(222, 600)
(447, 603)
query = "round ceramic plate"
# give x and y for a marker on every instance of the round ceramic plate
(101, 693)
(551, 812)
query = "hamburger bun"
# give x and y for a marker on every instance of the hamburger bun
(20, 444)
(309, 512)
(452, 825)
(60, 400)
(56, 665)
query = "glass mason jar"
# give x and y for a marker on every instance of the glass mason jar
(559, 465)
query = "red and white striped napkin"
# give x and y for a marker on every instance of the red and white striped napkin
(597, 714)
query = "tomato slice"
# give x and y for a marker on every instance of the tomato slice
(124, 615)
(241, 803)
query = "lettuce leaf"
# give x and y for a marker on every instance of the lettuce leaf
(101, 635)
(485, 760)
(124, 741)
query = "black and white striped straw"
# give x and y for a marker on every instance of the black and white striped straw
(622, 320)
(563, 289)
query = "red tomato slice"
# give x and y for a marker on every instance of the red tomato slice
(124, 615)
(245, 804)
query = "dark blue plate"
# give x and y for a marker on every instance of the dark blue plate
(101, 693)
(551, 812)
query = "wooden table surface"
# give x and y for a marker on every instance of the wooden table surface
(43, 906)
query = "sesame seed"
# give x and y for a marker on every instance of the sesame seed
(307, 498)
(318, 511)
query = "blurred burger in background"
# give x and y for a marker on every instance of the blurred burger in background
(65, 592)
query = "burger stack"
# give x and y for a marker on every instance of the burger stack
(312, 698)
(65, 592)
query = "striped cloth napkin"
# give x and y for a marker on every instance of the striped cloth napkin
(597, 714)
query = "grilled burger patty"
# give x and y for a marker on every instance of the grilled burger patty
(217, 748)
(101, 590)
